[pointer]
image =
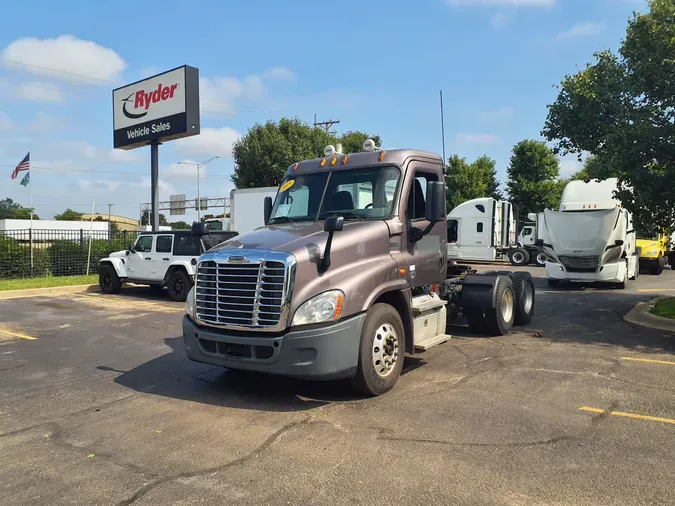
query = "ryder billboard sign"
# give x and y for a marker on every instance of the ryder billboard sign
(160, 108)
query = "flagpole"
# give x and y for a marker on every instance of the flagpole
(30, 197)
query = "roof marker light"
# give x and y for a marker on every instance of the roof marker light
(380, 157)
(323, 162)
(295, 167)
(333, 161)
(344, 160)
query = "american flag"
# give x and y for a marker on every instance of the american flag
(24, 165)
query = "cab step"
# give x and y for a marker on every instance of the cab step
(432, 341)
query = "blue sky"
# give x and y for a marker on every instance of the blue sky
(375, 66)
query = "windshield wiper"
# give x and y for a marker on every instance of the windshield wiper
(284, 218)
(343, 213)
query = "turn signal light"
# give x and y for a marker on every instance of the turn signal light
(402, 271)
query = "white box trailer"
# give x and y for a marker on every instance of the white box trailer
(481, 230)
(591, 238)
(247, 208)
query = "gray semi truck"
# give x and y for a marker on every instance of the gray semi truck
(348, 276)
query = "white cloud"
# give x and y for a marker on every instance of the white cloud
(6, 124)
(581, 30)
(149, 71)
(281, 73)
(122, 156)
(468, 138)
(66, 57)
(186, 169)
(504, 3)
(44, 122)
(98, 185)
(210, 142)
(499, 20)
(164, 187)
(503, 112)
(38, 92)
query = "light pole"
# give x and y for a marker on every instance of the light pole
(199, 166)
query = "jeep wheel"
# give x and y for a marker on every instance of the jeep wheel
(519, 256)
(381, 351)
(499, 319)
(523, 286)
(179, 285)
(108, 279)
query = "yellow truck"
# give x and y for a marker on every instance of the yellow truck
(654, 252)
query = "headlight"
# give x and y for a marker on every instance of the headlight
(190, 303)
(613, 255)
(652, 253)
(322, 308)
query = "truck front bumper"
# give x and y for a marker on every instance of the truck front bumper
(608, 273)
(322, 353)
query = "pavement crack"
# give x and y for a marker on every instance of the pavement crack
(148, 487)
(595, 420)
(514, 444)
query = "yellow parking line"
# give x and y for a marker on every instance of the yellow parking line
(648, 360)
(655, 290)
(629, 415)
(16, 335)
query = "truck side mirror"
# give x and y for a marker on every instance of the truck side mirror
(268, 209)
(131, 248)
(435, 204)
(331, 225)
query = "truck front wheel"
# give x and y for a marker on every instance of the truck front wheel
(519, 256)
(541, 258)
(381, 351)
(108, 279)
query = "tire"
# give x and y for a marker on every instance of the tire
(179, 284)
(519, 257)
(523, 287)
(383, 325)
(671, 260)
(108, 280)
(499, 320)
(476, 320)
(553, 282)
(660, 265)
(540, 258)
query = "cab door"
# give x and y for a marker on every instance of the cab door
(139, 261)
(426, 257)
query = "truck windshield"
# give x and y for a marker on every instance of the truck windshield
(357, 194)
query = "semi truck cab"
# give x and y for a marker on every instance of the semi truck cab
(347, 276)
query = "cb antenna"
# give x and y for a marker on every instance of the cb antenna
(443, 131)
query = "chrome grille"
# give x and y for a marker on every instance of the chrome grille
(581, 263)
(241, 295)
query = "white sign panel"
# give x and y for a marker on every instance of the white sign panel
(160, 108)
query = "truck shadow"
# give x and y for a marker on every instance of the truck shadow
(173, 375)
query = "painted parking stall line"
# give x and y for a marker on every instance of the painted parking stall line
(624, 414)
(648, 361)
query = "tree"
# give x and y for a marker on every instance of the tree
(595, 168)
(622, 108)
(14, 211)
(263, 155)
(533, 174)
(465, 181)
(162, 220)
(68, 215)
(179, 225)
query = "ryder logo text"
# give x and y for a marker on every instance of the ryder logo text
(142, 99)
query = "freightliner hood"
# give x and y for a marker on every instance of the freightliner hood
(580, 233)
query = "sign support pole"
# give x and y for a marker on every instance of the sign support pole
(154, 184)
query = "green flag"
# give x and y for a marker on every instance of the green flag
(25, 180)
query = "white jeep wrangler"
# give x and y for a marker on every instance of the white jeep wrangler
(160, 259)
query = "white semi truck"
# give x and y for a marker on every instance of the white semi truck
(591, 238)
(528, 248)
(481, 230)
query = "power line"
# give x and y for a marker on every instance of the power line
(57, 71)
(91, 171)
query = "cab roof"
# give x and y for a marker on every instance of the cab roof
(363, 159)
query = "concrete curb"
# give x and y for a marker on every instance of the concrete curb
(47, 292)
(640, 315)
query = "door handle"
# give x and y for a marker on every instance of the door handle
(166, 259)
(148, 258)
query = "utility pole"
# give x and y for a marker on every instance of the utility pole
(199, 166)
(109, 223)
(327, 125)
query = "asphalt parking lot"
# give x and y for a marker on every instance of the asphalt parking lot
(99, 405)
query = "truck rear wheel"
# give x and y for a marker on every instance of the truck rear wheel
(108, 279)
(523, 287)
(499, 319)
(381, 351)
(540, 258)
(519, 256)
(659, 265)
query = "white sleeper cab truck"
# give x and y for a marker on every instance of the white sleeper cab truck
(591, 238)
(161, 260)
(481, 230)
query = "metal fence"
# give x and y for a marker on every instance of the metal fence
(39, 253)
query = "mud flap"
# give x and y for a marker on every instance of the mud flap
(478, 291)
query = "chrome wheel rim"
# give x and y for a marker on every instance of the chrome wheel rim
(518, 257)
(541, 258)
(385, 350)
(507, 305)
(529, 298)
